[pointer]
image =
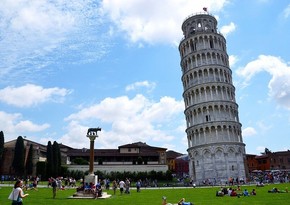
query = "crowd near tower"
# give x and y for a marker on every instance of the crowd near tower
(215, 145)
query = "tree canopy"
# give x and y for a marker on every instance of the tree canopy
(49, 161)
(1, 147)
(18, 160)
(29, 163)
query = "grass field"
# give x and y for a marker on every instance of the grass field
(198, 196)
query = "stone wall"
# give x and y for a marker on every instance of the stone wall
(121, 168)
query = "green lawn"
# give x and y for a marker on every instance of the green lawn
(199, 196)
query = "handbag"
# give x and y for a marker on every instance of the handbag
(11, 195)
(12, 198)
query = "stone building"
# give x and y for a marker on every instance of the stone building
(215, 145)
(171, 160)
(182, 167)
(279, 160)
(138, 157)
(38, 155)
(269, 161)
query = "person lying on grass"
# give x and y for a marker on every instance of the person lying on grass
(181, 202)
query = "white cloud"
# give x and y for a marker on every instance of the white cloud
(249, 131)
(260, 149)
(286, 12)
(127, 120)
(232, 60)
(14, 125)
(36, 34)
(30, 95)
(44, 35)
(155, 21)
(29, 126)
(279, 85)
(225, 30)
(149, 85)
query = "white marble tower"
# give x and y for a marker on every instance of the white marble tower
(215, 145)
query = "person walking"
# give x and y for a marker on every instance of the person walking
(138, 185)
(121, 186)
(54, 186)
(17, 193)
(115, 185)
(127, 186)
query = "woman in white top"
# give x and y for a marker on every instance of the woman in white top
(18, 193)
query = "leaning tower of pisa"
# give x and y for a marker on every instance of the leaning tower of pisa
(215, 145)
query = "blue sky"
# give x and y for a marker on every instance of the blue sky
(67, 65)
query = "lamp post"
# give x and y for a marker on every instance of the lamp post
(92, 134)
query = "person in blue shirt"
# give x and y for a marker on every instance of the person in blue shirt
(183, 202)
(246, 193)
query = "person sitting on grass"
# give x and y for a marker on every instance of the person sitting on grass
(246, 193)
(99, 190)
(230, 191)
(219, 193)
(234, 193)
(253, 192)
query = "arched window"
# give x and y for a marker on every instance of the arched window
(211, 43)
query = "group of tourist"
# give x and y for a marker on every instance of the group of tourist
(31, 183)
(235, 192)
(269, 176)
(17, 193)
(62, 182)
(124, 186)
(91, 188)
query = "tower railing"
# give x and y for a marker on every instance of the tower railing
(197, 13)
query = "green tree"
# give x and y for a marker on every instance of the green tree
(29, 162)
(1, 147)
(49, 160)
(18, 160)
(100, 161)
(168, 175)
(80, 161)
(41, 169)
(56, 158)
(139, 160)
